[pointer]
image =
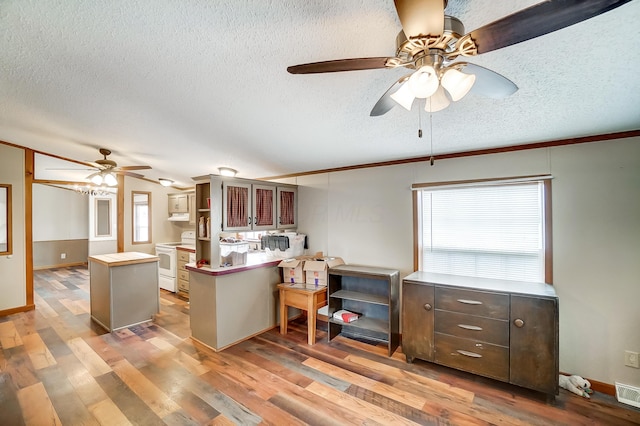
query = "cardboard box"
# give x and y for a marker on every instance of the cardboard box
(292, 271)
(316, 270)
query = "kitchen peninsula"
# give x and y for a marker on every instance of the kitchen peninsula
(233, 303)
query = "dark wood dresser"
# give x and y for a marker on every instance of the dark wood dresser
(505, 330)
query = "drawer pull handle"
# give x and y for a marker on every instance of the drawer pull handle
(427, 307)
(519, 323)
(469, 354)
(470, 327)
(470, 302)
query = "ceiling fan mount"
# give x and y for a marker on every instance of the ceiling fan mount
(104, 162)
(447, 46)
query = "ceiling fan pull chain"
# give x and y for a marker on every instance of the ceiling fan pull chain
(420, 122)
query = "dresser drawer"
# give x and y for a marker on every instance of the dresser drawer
(472, 327)
(473, 356)
(183, 275)
(183, 255)
(480, 303)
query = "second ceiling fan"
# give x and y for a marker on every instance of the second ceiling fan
(430, 43)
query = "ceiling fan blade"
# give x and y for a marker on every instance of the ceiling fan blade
(355, 64)
(126, 173)
(421, 17)
(489, 83)
(538, 20)
(134, 168)
(69, 169)
(385, 103)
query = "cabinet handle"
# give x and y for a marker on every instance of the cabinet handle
(470, 302)
(427, 307)
(249, 220)
(255, 220)
(519, 323)
(470, 327)
(469, 354)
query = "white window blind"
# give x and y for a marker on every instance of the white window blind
(491, 231)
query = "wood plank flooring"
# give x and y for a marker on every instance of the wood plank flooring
(57, 367)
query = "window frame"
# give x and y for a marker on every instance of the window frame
(547, 213)
(6, 188)
(133, 217)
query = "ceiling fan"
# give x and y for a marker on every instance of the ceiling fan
(430, 42)
(106, 169)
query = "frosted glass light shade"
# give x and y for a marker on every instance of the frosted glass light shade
(96, 179)
(110, 180)
(437, 102)
(424, 82)
(457, 83)
(404, 96)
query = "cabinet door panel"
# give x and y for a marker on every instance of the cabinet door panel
(264, 207)
(417, 321)
(287, 207)
(534, 343)
(236, 206)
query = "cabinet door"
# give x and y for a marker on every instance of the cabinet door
(178, 203)
(287, 207)
(236, 206)
(264, 207)
(417, 321)
(192, 208)
(534, 343)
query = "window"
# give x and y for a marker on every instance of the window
(141, 215)
(103, 217)
(5, 219)
(493, 229)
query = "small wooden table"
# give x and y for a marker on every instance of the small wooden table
(307, 297)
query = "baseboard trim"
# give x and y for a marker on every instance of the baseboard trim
(17, 310)
(61, 265)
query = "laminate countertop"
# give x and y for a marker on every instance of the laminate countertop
(124, 258)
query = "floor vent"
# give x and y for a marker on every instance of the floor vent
(628, 394)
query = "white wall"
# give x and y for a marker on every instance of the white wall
(59, 214)
(13, 292)
(365, 216)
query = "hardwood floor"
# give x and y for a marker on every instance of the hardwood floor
(58, 367)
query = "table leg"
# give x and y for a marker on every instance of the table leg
(311, 319)
(283, 314)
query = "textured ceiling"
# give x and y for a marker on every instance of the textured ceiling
(188, 86)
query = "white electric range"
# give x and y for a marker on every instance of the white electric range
(168, 260)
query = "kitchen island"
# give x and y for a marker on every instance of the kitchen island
(231, 304)
(124, 289)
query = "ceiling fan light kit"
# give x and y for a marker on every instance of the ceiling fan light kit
(165, 181)
(457, 83)
(429, 38)
(438, 101)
